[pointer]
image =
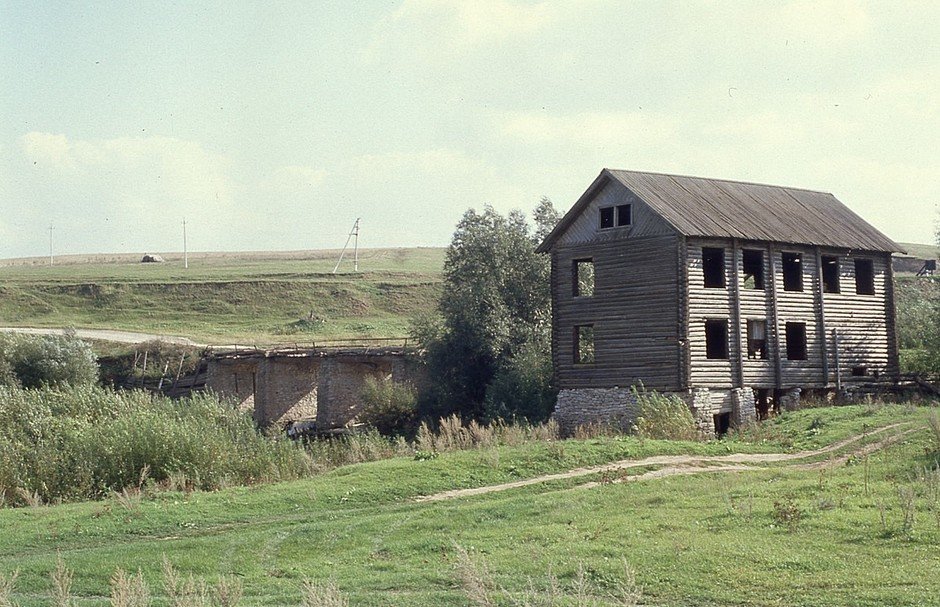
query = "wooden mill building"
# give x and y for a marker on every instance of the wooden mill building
(738, 296)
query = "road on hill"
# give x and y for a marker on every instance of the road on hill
(124, 337)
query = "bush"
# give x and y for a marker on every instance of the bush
(521, 389)
(390, 407)
(664, 416)
(46, 360)
(86, 441)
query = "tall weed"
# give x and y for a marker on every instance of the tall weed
(664, 416)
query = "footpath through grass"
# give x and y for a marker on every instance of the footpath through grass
(226, 298)
(779, 536)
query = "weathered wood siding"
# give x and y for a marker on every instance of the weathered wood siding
(634, 310)
(865, 322)
(586, 227)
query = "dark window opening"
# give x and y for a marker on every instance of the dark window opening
(796, 341)
(753, 263)
(830, 274)
(722, 423)
(716, 339)
(792, 272)
(864, 277)
(713, 266)
(757, 339)
(625, 215)
(584, 344)
(607, 217)
(859, 371)
(583, 278)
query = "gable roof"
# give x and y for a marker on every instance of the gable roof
(696, 206)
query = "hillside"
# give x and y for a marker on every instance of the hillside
(255, 298)
(851, 519)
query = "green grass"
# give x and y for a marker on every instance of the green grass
(704, 540)
(225, 298)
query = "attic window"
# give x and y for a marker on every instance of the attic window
(583, 278)
(792, 272)
(607, 217)
(796, 341)
(830, 274)
(713, 267)
(864, 277)
(583, 344)
(753, 263)
(624, 215)
(716, 339)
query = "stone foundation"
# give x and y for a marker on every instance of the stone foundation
(790, 399)
(743, 409)
(585, 406)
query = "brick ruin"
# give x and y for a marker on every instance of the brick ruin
(323, 386)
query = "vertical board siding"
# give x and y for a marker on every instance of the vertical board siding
(634, 311)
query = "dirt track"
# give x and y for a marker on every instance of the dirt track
(124, 337)
(672, 465)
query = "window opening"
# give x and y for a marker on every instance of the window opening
(584, 344)
(753, 263)
(859, 371)
(757, 339)
(796, 341)
(624, 215)
(713, 267)
(762, 403)
(864, 277)
(607, 217)
(830, 274)
(583, 279)
(792, 272)
(716, 339)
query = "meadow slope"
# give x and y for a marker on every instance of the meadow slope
(836, 532)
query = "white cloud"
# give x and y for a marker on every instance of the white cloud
(826, 21)
(125, 193)
(436, 28)
(298, 177)
(592, 129)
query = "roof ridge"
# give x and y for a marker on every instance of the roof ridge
(769, 185)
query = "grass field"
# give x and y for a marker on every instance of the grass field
(224, 298)
(778, 535)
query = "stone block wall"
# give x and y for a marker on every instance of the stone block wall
(287, 390)
(584, 406)
(234, 379)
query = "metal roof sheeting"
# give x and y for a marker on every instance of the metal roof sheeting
(697, 206)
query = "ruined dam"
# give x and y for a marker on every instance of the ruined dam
(322, 385)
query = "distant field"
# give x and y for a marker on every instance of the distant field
(263, 298)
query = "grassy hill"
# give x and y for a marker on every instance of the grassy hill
(813, 533)
(227, 297)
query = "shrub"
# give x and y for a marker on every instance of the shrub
(46, 360)
(390, 407)
(87, 441)
(664, 416)
(522, 386)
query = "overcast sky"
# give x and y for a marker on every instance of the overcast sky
(273, 125)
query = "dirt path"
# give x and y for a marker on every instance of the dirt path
(671, 465)
(124, 337)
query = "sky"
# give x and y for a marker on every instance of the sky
(274, 125)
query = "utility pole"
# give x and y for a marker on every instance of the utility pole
(51, 256)
(354, 233)
(185, 251)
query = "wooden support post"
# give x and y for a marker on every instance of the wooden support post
(821, 317)
(179, 371)
(835, 346)
(774, 320)
(736, 294)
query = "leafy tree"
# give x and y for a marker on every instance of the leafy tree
(48, 360)
(495, 305)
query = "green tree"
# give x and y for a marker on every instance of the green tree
(47, 360)
(495, 304)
